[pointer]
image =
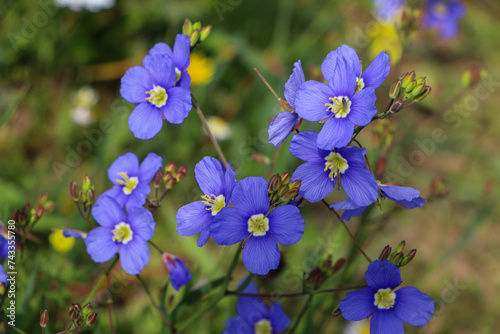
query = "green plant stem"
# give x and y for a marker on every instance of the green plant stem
(209, 132)
(301, 314)
(155, 246)
(100, 279)
(294, 294)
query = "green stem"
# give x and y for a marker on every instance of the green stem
(301, 314)
(294, 294)
(160, 311)
(100, 279)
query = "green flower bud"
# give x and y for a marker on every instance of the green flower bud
(290, 194)
(400, 247)
(386, 252)
(410, 86)
(418, 90)
(286, 178)
(423, 95)
(408, 257)
(86, 183)
(197, 25)
(283, 190)
(44, 318)
(395, 89)
(194, 37)
(409, 77)
(187, 27)
(205, 32)
(274, 184)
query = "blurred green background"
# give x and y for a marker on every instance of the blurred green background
(48, 54)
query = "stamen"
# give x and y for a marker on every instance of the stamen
(158, 96)
(129, 183)
(214, 203)
(258, 225)
(122, 233)
(336, 164)
(385, 299)
(340, 106)
(263, 327)
(360, 84)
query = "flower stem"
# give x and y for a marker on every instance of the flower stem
(267, 84)
(100, 279)
(156, 247)
(302, 312)
(294, 294)
(209, 132)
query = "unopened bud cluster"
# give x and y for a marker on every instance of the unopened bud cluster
(84, 197)
(166, 180)
(324, 270)
(407, 87)
(280, 190)
(28, 215)
(85, 315)
(397, 257)
(195, 32)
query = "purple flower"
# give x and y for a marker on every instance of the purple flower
(74, 233)
(405, 196)
(4, 242)
(347, 100)
(126, 234)
(217, 184)
(152, 90)
(285, 121)
(388, 307)
(132, 180)
(254, 316)
(444, 15)
(177, 271)
(323, 168)
(387, 9)
(180, 56)
(251, 220)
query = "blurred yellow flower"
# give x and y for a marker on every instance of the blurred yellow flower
(387, 40)
(219, 127)
(358, 327)
(201, 69)
(60, 242)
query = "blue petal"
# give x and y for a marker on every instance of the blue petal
(142, 223)
(413, 306)
(363, 107)
(107, 212)
(182, 52)
(229, 227)
(281, 127)
(193, 218)
(161, 68)
(405, 196)
(204, 236)
(251, 309)
(100, 244)
(293, 84)
(260, 255)
(73, 233)
(134, 85)
(145, 121)
(330, 62)
(316, 184)
(179, 275)
(229, 183)
(355, 156)
(210, 174)
(376, 73)
(350, 208)
(161, 48)
(311, 99)
(149, 166)
(343, 81)
(134, 256)
(286, 225)
(386, 322)
(117, 194)
(127, 163)
(250, 196)
(358, 305)
(303, 146)
(360, 185)
(414, 203)
(184, 81)
(250, 288)
(236, 325)
(138, 196)
(382, 275)
(336, 132)
(279, 319)
(178, 105)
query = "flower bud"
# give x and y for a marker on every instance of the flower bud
(409, 77)
(396, 258)
(400, 247)
(157, 179)
(194, 37)
(87, 309)
(90, 196)
(386, 252)
(408, 257)
(396, 107)
(170, 167)
(423, 95)
(421, 80)
(418, 90)
(283, 190)
(295, 184)
(181, 173)
(290, 194)
(409, 88)
(74, 311)
(286, 178)
(261, 158)
(336, 312)
(74, 191)
(86, 183)
(187, 27)
(197, 25)
(395, 89)
(169, 184)
(44, 318)
(205, 32)
(91, 318)
(274, 184)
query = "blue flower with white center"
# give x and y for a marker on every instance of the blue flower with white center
(404, 196)
(180, 56)
(347, 100)
(444, 15)
(255, 317)
(131, 180)
(344, 166)
(126, 234)
(152, 90)
(388, 306)
(251, 220)
(285, 121)
(217, 183)
(178, 272)
(388, 9)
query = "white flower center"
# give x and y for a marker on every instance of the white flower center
(129, 183)
(385, 298)
(336, 164)
(258, 225)
(360, 84)
(263, 327)
(214, 203)
(157, 96)
(122, 233)
(340, 106)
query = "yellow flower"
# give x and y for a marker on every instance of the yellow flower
(387, 40)
(201, 69)
(60, 242)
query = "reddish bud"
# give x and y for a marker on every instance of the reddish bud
(44, 318)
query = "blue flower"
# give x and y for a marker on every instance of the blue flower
(444, 15)
(152, 90)
(388, 307)
(4, 242)
(3, 276)
(254, 316)
(177, 271)
(405, 196)
(387, 9)
(285, 121)
(347, 100)
(251, 220)
(74, 233)
(180, 56)
(217, 184)
(323, 168)
(126, 234)
(132, 180)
